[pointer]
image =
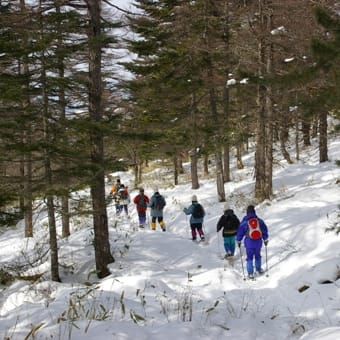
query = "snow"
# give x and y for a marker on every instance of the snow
(164, 286)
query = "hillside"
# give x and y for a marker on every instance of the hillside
(163, 285)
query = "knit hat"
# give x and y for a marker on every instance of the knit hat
(225, 207)
(251, 209)
(194, 198)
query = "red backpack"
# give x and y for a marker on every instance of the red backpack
(254, 230)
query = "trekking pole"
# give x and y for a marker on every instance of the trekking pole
(204, 232)
(244, 276)
(266, 260)
(218, 245)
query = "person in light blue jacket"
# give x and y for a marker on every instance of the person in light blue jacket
(253, 230)
(197, 213)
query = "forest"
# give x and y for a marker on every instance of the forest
(89, 87)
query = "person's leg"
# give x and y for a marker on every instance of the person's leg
(153, 223)
(199, 227)
(193, 231)
(142, 218)
(258, 260)
(232, 245)
(161, 222)
(250, 256)
(226, 244)
(229, 245)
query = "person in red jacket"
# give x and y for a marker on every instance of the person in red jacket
(141, 201)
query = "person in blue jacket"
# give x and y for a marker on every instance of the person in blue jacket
(196, 222)
(254, 231)
(157, 204)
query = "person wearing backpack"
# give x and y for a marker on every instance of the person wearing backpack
(255, 232)
(197, 213)
(230, 223)
(114, 194)
(141, 201)
(124, 199)
(157, 204)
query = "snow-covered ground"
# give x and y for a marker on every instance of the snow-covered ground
(164, 286)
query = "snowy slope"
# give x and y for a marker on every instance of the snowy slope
(164, 286)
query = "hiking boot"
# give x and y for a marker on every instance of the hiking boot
(251, 276)
(194, 238)
(141, 226)
(163, 229)
(260, 271)
(202, 238)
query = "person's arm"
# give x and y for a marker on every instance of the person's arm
(264, 230)
(188, 211)
(240, 232)
(219, 224)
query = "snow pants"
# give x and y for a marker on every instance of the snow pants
(229, 245)
(142, 217)
(196, 228)
(253, 253)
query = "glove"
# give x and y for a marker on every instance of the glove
(265, 242)
(239, 244)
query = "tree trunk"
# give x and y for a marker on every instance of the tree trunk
(269, 145)
(206, 165)
(283, 149)
(48, 181)
(226, 95)
(65, 217)
(323, 148)
(101, 233)
(306, 131)
(315, 126)
(260, 148)
(264, 129)
(136, 173)
(193, 169)
(219, 177)
(175, 165)
(297, 146)
(180, 164)
(269, 114)
(226, 163)
(140, 171)
(239, 162)
(26, 166)
(283, 138)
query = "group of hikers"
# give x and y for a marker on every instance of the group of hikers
(252, 229)
(119, 193)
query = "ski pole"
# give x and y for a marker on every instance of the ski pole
(266, 260)
(239, 246)
(218, 244)
(203, 228)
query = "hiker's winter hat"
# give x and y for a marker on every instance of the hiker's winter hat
(194, 198)
(226, 207)
(251, 209)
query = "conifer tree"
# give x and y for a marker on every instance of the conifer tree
(327, 53)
